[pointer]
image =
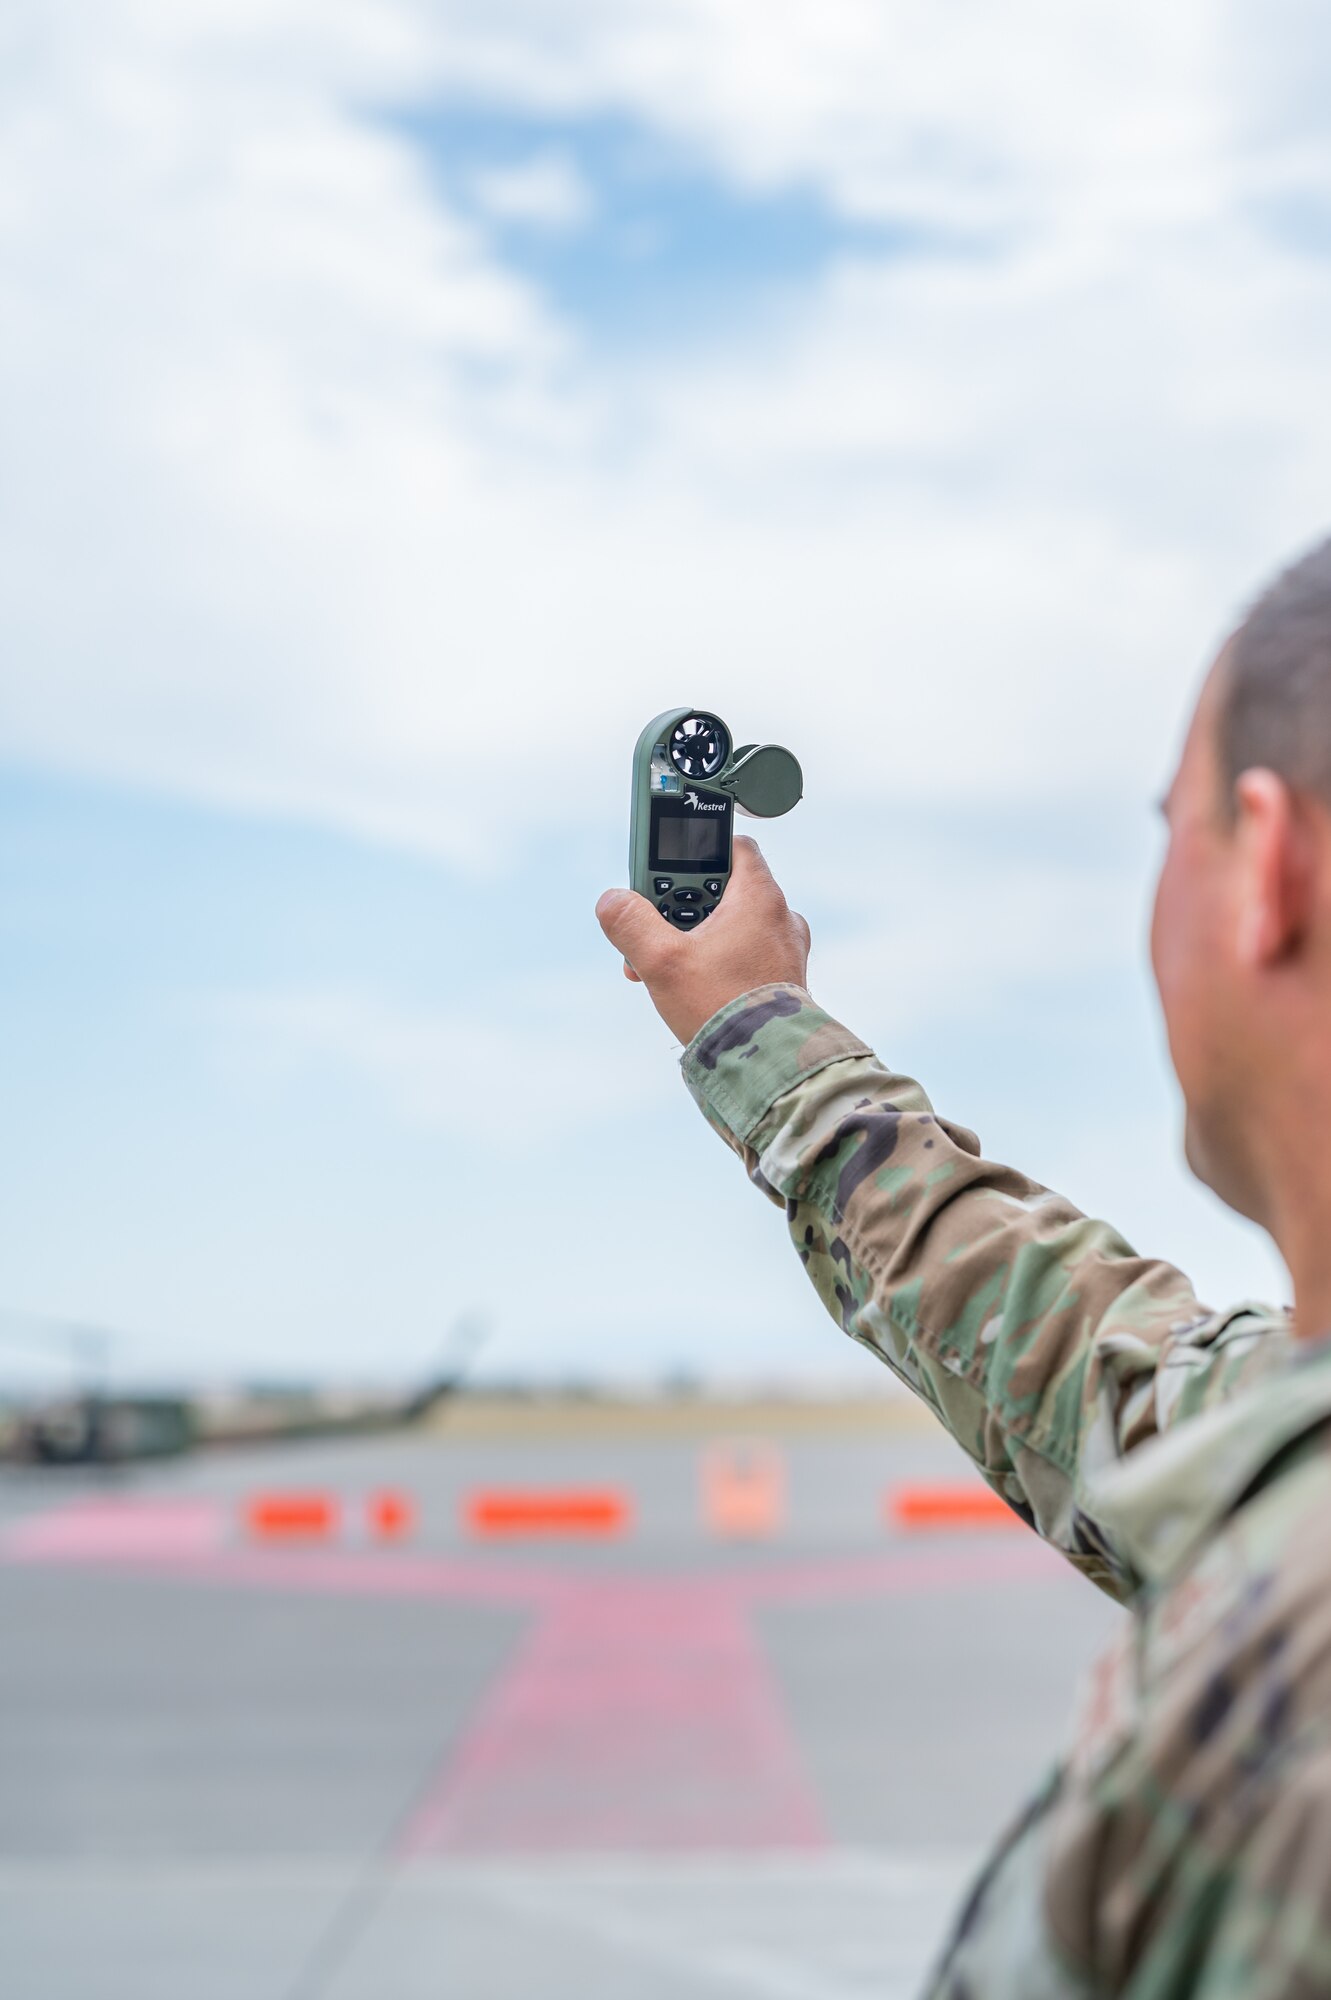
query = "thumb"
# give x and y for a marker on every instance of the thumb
(632, 925)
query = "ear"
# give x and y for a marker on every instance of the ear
(1277, 867)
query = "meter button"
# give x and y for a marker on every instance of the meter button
(685, 918)
(688, 895)
(713, 887)
(665, 909)
(664, 884)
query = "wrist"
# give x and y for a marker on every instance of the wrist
(756, 1047)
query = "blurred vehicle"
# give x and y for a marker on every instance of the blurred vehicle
(100, 1430)
(92, 1424)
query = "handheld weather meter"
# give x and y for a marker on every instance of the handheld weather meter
(687, 780)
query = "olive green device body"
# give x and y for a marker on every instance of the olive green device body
(688, 779)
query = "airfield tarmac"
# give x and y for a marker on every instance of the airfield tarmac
(665, 1764)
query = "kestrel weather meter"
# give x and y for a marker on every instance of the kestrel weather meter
(687, 780)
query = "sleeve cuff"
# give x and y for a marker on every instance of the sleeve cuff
(756, 1048)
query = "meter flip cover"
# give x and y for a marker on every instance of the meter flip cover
(687, 780)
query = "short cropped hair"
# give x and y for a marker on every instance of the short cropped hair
(1276, 698)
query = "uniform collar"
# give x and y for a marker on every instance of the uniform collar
(1161, 1501)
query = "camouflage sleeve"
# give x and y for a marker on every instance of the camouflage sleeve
(1043, 1343)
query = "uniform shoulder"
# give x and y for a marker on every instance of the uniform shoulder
(1197, 1730)
(1218, 1354)
(1266, 1571)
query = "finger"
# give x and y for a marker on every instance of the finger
(629, 973)
(747, 860)
(805, 932)
(632, 925)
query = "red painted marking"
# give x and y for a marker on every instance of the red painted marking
(361, 1573)
(390, 1516)
(332, 1572)
(634, 1716)
(959, 1506)
(593, 1511)
(292, 1517)
(636, 1713)
(118, 1528)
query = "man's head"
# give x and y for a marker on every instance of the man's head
(1241, 935)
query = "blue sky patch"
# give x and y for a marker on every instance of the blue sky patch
(667, 249)
(1299, 220)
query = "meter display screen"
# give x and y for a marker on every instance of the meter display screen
(692, 837)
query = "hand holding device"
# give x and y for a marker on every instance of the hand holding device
(755, 939)
(687, 780)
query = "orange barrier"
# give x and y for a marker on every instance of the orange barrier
(523, 1511)
(743, 1488)
(949, 1506)
(292, 1517)
(389, 1516)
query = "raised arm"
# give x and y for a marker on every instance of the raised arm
(1045, 1345)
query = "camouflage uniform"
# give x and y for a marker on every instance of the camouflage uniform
(1180, 1458)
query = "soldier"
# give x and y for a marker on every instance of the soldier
(1179, 1457)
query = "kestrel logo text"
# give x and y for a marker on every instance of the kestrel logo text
(706, 805)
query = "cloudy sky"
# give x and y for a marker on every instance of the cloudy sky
(399, 404)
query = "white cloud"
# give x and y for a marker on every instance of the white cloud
(480, 1073)
(303, 485)
(312, 505)
(963, 938)
(1026, 114)
(544, 192)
